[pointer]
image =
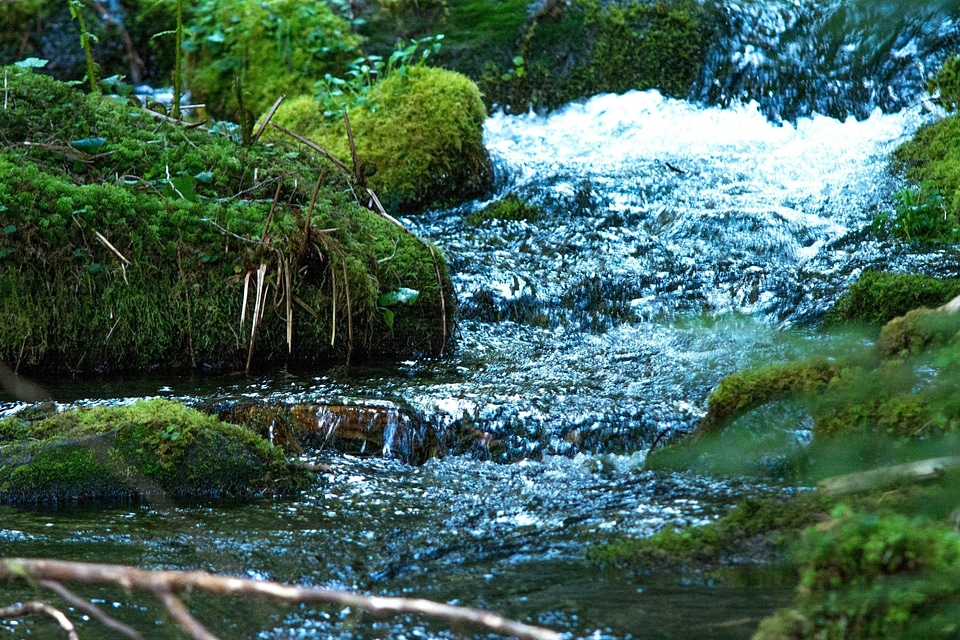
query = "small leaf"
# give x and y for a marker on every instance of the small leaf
(204, 176)
(388, 318)
(10, 228)
(31, 63)
(89, 145)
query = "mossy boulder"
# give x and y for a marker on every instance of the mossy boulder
(577, 49)
(878, 297)
(154, 448)
(932, 158)
(127, 242)
(418, 133)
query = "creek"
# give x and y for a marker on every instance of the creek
(679, 241)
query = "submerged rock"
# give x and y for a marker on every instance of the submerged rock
(151, 449)
(364, 430)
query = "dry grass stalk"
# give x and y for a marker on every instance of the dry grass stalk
(257, 311)
(443, 303)
(266, 121)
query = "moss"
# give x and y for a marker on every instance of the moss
(756, 529)
(420, 129)
(578, 49)
(510, 207)
(918, 331)
(932, 157)
(277, 47)
(878, 297)
(740, 392)
(877, 576)
(165, 199)
(153, 447)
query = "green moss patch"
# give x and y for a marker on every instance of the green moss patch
(509, 207)
(873, 576)
(127, 242)
(755, 530)
(879, 297)
(418, 134)
(151, 448)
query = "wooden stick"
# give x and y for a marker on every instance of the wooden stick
(182, 616)
(20, 610)
(159, 582)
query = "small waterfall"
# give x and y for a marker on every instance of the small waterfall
(837, 58)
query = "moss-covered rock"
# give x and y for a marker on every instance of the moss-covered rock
(419, 133)
(879, 297)
(571, 50)
(127, 242)
(151, 448)
(877, 577)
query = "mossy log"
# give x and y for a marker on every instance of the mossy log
(151, 449)
(129, 242)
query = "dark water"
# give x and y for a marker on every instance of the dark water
(678, 243)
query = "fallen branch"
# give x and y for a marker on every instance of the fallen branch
(929, 469)
(165, 584)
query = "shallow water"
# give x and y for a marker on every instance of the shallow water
(678, 242)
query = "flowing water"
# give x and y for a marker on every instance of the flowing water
(679, 241)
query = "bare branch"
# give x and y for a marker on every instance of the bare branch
(90, 609)
(183, 616)
(158, 582)
(20, 610)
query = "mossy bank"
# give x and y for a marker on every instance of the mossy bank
(129, 242)
(154, 448)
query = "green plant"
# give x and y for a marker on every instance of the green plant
(76, 12)
(921, 216)
(339, 94)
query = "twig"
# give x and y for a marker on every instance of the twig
(273, 207)
(90, 609)
(20, 610)
(107, 244)
(174, 581)
(313, 145)
(182, 615)
(383, 212)
(358, 177)
(266, 121)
